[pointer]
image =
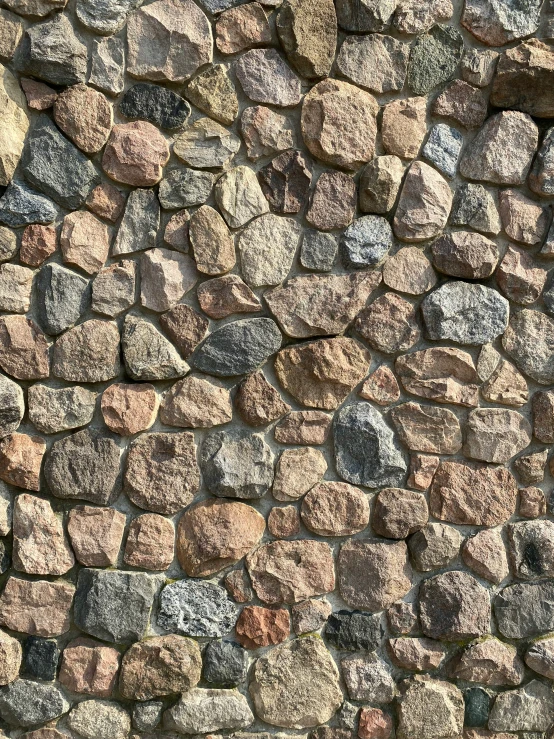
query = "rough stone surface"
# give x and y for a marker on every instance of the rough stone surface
(424, 204)
(398, 513)
(499, 23)
(333, 202)
(196, 403)
(266, 78)
(389, 324)
(150, 542)
(308, 32)
(196, 608)
(335, 509)
(88, 353)
(147, 354)
(135, 154)
(527, 340)
(89, 667)
(96, 535)
(213, 93)
(434, 546)
(36, 607)
(39, 544)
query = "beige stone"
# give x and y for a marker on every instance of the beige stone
(89, 667)
(398, 513)
(424, 204)
(465, 254)
(506, 386)
(223, 296)
(36, 607)
(11, 32)
(303, 427)
(443, 374)
(212, 243)
(213, 92)
(496, 434)
(14, 124)
(245, 27)
(335, 509)
(194, 402)
(532, 502)
(136, 152)
(128, 409)
(266, 132)
(422, 470)
(389, 324)
(523, 219)
(96, 535)
(381, 387)
(518, 277)
(427, 429)
(416, 654)
(166, 276)
(150, 542)
(409, 271)
(380, 183)
(308, 33)
(84, 241)
(297, 471)
(404, 126)
(16, 283)
(490, 662)
(23, 349)
(523, 79)
(485, 554)
(283, 522)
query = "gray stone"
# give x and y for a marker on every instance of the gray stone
(196, 608)
(354, 631)
(52, 410)
(147, 354)
(365, 448)
(430, 709)
(266, 78)
(529, 340)
(160, 106)
(84, 466)
(225, 664)
(541, 176)
(474, 206)
(477, 707)
(368, 678)
(540, 657)
(531, 549)
(366, 242)
(206, 145)
(434, 58)
(97, 719)
(465, 313)
(54, 166)
(201, 711)
(182, 188)
(114, 606)
(529, 708)
(377, 63)
(434, 546)
(236, 464)
(62, 298)
(105, 17)
(380, 183)
(27, 703)
(239, 347)
(108, 65)
(12, 405)
(113, 288)
(478, 66)
(53, 52)
(20, 206)
(147, 715)
(318, 251)
(267, 249)
(8, 244)
(365, 15)
(525, 610)
(139, 224)
(40, 658)
(497, 22)
(443, 148)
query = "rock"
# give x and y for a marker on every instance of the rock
(429, 707)
(105, 18)
(530, 469)
(23, 349)
(223, 296)
(324, 110)
(176, 233)
(502, 151)
(366, 242)
(150, 542)
(128, 409)
(27, 703)
(239, 347)
(434, 58)
(147, 715)
(52, 51)
(10, 658)
(166, 276)
(523, 610)
(402, 618)
(368, 678)
(380, 183)
(522, 219)
(415, 654)
(498, 24)
(141, 220)
(366, 453)
(297, 471)
(147, 354)
(527, 341)
(463, 104)
(265, 259)
(41, 657)
(225, 663)
(215, 534)
(532, 502)
(298, 24)
(541, 176)
(88, 353)
(477, 708)
(62, 298)
(14, 121)
(443, 148)
(530, 549)
(20, 205)
(388, 324)
(285, 182)
(266, 78)
(97, 719)
(196, 608)
(374, 724)
(404, 127)
(377, 63)
(310, 615)
(12, 405)
(284, 522)
(266, 132)
(465, 254)
(52, 165)
(242, 28)
(321, 374)
(84, 241)
(258, 402)
(11, 31)
(496, 434)
(335, 509)
(472, 495)
(162, 474)
(422, 470)
(506, 386)
(434, 546)
(36, 606)
(296, 685)
(206, 145)
(539, 657)
(113, 289)
(15, 288)
(424, 204)
(201, 710)
(106, 201)
(490, 662)
(413, 18)
(8, 244)
(214, 94)
(409, 271)
(89, 667)
(39, 96)
(333, 202)
(398, 513)
(427, 429)
(443, 374)
(478, 66)
(353, 630)
(21, 459)
(365, 15)
(108, 65)
(381, 387)
(543, 416)
(85, 116)
(453, 607)
(156, 104)
(213, 244)
(527, 709)
(262, 627)
(96, 535)
(135, 154)
(196, 403)
(177, 29)
(239, 196)
(237, 585)
(303, 427)
(373, 574)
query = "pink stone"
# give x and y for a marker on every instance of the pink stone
(283, 522)
(84, 241)
(303, 427)
(258, 402)
(90, 667)
(135, 154)
(36, 607)
(39, 96)
(106, 201)
(195, 402)
(96, 535)
(422, 469)
(85, 116)
(262, 627)
(245, 27)
(37, 244)
(128, 409)
(23, 349)
(404, 126)
(523, 219)
(21, 459)
(374, 724)
(462, 103)
(223, 296)
(150, 542)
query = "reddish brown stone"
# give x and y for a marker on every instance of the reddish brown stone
(389, 324)
(128, 409)
(335, 509)
(381, 387)
(424, 428)
(85, 116)
(238, 586)
(223, 296)
(303, 427)
(285, 182)
(106, 201)
(485, 554)
(523, 78)
(261, 627)
(23, 349)
(150, 542)
(258, 402)
(37, 244)
(196, 403)
(36, 607)
(532, 502)
(39, 96)
(398, 513)
(297, 471)
(135, 154)
(96, 535)
(333, 202)
(374, 724)
(266, 132)
(21, 459)
(84, 241)
(465, 254)
(89, 667)
(185, 327)
(283, 522)
(242, 28)
(422, 470)
(462, 103)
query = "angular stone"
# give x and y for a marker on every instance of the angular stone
(206, 145)
(20, 205)
(267, 249)
(402, 618)
(297, 471)
(135, 154)
(415, 654)
(310, 615)
(14, 123)
(140, 223)
(413, 18)
(434, 58)
(434, 546)
(478, 66)
(15, 288)
(237, 585)
(85, 116)
(166, 276)
(485, 554)
(105, 18)
(333, 202)
(258, 402)
(98, 719)
(21, 459)
(404, 127)
(422, 470)
(506, 386)
(8, 244)
(36, 606)
(162, 474)
(39, 96)
(242, 28)
(266, 132)
(214, 94)
(324, 110)
(463, 104)
(496, 24)
(27, 703)
(168, 40)
(424, 204)
(212, 242)
(530, 469)
(523, 220)
(12, 405)
(539, 657)
(530, 549)
(389, 324)
(488, 362)
(443, 148)
(299, 24)
(366, 242)
(541, 176)
(63, 297)
(303, 427)
(84, 241)
(527, 709)
(490, 662)
(353, 630)
(11, 31)
(196, 403)
(39, 544)
(380, 183)
(522, 79)
(409, 271)
(528, 341)
(113, 289)
(88, 353)
(496, 434)
(532, 502)
(156, 104)
(367, 15)
(108, 65)
(284, 522)
(196, 608)
(223, 296)
(430, 708)
(335, 509)
(375, 62)
(285, 182)
(398, 513)
(381, 387)
(10, 658)
(106, 201)
(543, 416)
(374, 724)
(368, 678)
(89, 667)
(224, 663)
(472, 495)
(201, 710)
(150, 542)
(147, 354)
(59, 409)
(96, 535)
(262, 627)
(51, 50)
(443, 374)
(176, 233)
(524, 610)
(239, 196)
(128, 409)
(266, 78)
(465, 254)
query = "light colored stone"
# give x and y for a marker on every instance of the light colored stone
(36, 607)
(523, 219)
(148, 355)
(415, 654)
(375, 62)
(258, 402)
(202, 711)
(435, 546)
(242, 28)
(11, 654)
(206, 144)
(335, 509)
(196, 403)
(85, 116)
(266, 78)
(239, 196)
(409, 271)
(404, 126)
(267, 248)
(89, 667)
(496, 24)
(88, 353)
(368, 679)
(427, 429)
(333, 202)
(389, 324)
(430, 709)
(496, 434)
(528, 340)
(266, 132)
(96, 535)
(223, 296)
(39, 543)
(398, 513)
(308, 33)
(212, 243)
(136, 152)
(150, 542)
(98, 719)
(489, 661)
(165, 277)
(297, 471)
(526, 709)
(506, 386)
(380, 183)
(465, 254)
(213, 92)
(84, 241)
(485, 554)
(424, 204)
(14, 124)
(128, 409)
(21, 459)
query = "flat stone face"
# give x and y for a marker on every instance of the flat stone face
(434, 58)
(424, 204)
(365, 16)
(529, 707)
(239, 197)
(135, 154)
(147, 354)
(430, 708)
(531, 329)
(389, 324)
(96, 535)
(333, 202)
(89, 667)
(266, 78)
(398, 513)
(88, 353)
(150, 542)
(265, 132)
(206, 144)
(335, 509)
(261, 627)
(242, 28)
(84, 241)
(496, 24)
(444, 374)
(36, 607)
(213, 93)
(196, 403)
(258, 402)
(48, 702)
(375, 62)
(141, 220)
(368, 678)
(196, 608)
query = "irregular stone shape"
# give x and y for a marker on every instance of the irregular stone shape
(541, 176)
(239, 196)
(105, 18)
(262, 627)
(266, 78)
(168, 40)
(368, 678)
(12, 405)
(496, 434)
(150, 542)
(212, 243)
(14, 123)
(39, 96)
(242, 28)
(285, 182)
(196, 403)
(39, 544)
(266, 132)
(335, 509)
(303, 427)
(308, 33)
(96, 535)
(206, 145)
(108, 65)
(135, 154)
(424, 204)
(166, 276)
(502, 151)
(404, 127)
(529, 469)
(41, 658)
(409, 271)
(215, 534)
(478, 66)
(27, 703)
(465, 254)
(530, 549)
(429, 708)
(380, 183)
(176, 233)
(527, 709)
(20, 205)
(486, 555)
(162, 474)
(296, 685)
(258, 402)
(15, 288)
(8, 244)
(389, 324)
(21, 459)
(373, 574)
(224, 663)
(412, 18)
(366, 15)
(506, 386)
(398, 513)
(201, 710)
(324, 110)
(422, 469)
(490, 662)
(196, 608)
(239, 347)
(52, 51)
(113, 289)
(148, 355)
(310, 615)
(97, 719)
(84, 465)
(524, 610)
(377, 63)
(374, 724)
(539, 657)
(521, 74)
(472, 495)
(183, 188)
(267, 249)
(156, 104)
(141, 220)
(402, 618)
(496, 24)
(62, 298)
(353, 630)
(283, 523)
(84, 241)
(23, 349)
(89, 667)
(321, 374)
(434, 58)
(85, 116)
(365, 450)
(214, 94)
(297, 471)
(434, 546)
(522, 219)
(333, 201)
(11, 31)
(462, 103)
(36, 607)
(528, 341)
(88, 353)
(427, 429)
(223, 296)
(366, 242)
(453, 607)
(443, 148)
(543, 416)
(237, 585)
(10, 658)
(488, 362)
(381, 387)
(443, 374)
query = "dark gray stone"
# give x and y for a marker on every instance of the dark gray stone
(26, 703)
(236, 464)
(354, 630)
(20, 206)
(196, 608)
(224, 664)
(62, 297)
(238, 347)
(318, 251)
(57, 168)
(139, 225)
(12, 405)
(108, 65)
(217, 6)
(105, 16)
(114, 606)
(477, 707)
(434, 58)
(156, 104)
(365, 448)
(183, 188)
(474, 206)
(525, 610)
(366, 242)
(40, 658)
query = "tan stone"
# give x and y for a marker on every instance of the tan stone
(308, 33)
(485, 554)
(506, 386)
(37, 244)
(223, 296)
(213, 92)
(85, 116)
(409, 271)
(404, 126)
(333, 202)
(416, 654)
(310, 615)
(242, 28)
(194, 402)
(150, 542)
(523, 79)
(96, 535)
(443, 374)
(530, 467)
(212, 242)
(36, 607)
(490, 662)
(335, 509)
(176, 233)
(239, 196)
(284, 522)
(89, 352)
(523, 219)
(465, 254)
(389, 324)
(89, 667)
(11, 655)
(106, 201)
(532, 502)
(496, 434)
(266, 132)
(381, 387)
(11, 32)
(136, 152)
(258, 402)
(303, 427)
(128, 409)
(424, 204)
(166, 276)
(14, 124)
(262, 627)
(84, 241)
(518, 277)
(21, 459)
(16, 283)
(23, 349)
(398, 513)
(380, 183)
(427, 429)
(422, 470)
(297, 471)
